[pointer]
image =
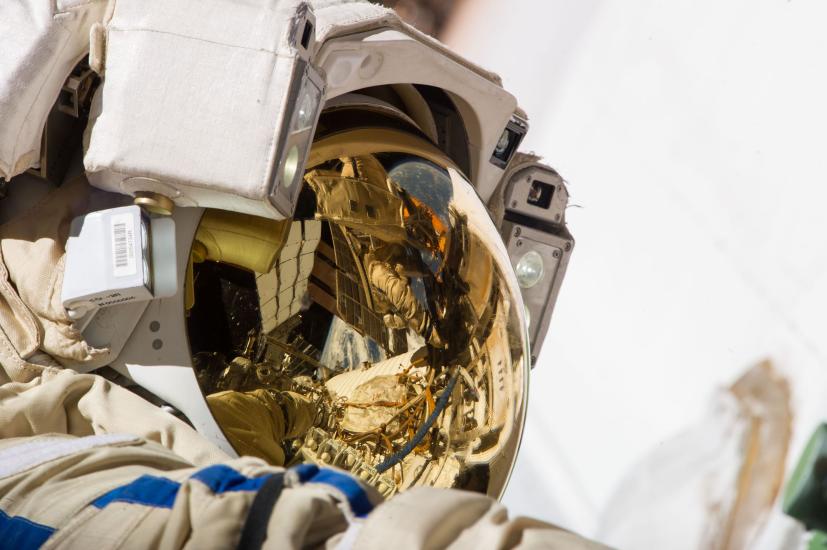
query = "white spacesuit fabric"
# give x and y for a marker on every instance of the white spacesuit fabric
(42, 42)
(87, 464)
(58, 401)
(138, 126)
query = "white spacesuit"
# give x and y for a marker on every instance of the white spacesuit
(249, 228)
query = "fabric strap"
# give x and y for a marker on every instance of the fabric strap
(25, 456)
(254, 532)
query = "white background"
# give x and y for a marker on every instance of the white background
(693, 134)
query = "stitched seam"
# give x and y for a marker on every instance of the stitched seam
(78, 6)
(104, 168)
(132, 501)
(113, 28)
(43, 84)
(18, 306)
(271, 149)
(28, 521)
(20, 364)
(74, 522)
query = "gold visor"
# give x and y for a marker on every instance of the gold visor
(379, 331)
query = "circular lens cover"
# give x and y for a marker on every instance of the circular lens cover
(529, 269)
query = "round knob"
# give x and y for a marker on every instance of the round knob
(154, 202)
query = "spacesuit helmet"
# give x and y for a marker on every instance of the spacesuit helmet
(380, 329)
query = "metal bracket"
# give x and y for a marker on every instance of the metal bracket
(76, 90)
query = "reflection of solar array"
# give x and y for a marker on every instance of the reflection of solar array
(352, 293)
(285, 341)
(282, 289)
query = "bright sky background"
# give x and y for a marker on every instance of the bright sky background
(693, 136)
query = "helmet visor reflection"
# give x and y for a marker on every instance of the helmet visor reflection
(379, 330)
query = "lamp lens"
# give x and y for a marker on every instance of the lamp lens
(305, 111)
(291, 166)
(305, 108)
(529, 269)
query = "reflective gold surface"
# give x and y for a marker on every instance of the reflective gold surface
(390, 310)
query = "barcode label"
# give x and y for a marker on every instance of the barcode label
(123, 245)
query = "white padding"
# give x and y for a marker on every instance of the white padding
(32, 453)
(196, 93)
(41, 43)
(192, 99)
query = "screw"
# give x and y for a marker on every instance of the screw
(513, 204)
(157, 343)
(557, 217)
(556, 253)
(154, 326)
(568, 247)
(517, 232)
(519, 242)
(533, 358)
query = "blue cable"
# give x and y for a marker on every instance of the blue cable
(397, 457)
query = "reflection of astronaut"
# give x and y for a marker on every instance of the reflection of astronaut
(400, 305)
(363, 186)
(257, 421)
(256, 414)
(389, 270)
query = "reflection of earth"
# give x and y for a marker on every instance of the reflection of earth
(346, 349)
(427, 182)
